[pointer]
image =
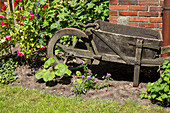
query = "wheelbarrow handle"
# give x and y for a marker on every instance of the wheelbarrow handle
(95, 25)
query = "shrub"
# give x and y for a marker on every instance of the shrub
(39, 20)
(160, 90)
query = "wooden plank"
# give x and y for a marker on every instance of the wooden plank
(165, 49)
(137, 65)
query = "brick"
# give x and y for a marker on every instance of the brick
(156, 20)
(154, 8)
(128, 2)
(113, 18)
(111, 7)
(148, 2)
(148, 25)
(138, 19)
(133, 24)
(160, 26)
(161, 3)
(113, 2)
(149, 14)
(138, 8)
(114, 13)
(126, 13)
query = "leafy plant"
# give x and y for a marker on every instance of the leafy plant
(48, 75)
(40, 19)
(7, 71)
(160, 90)
(86, 80)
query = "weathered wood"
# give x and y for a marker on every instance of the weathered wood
(112, 46)
(137, 63)
(58, 35)
(165, 49)
(129, 30)
(124, 44)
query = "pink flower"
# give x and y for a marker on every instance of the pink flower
(43, 47)
(3, 8)
(7, 37)
(32, 16)
(45, 6)
(23, 17)
(19, 53)
(21, 23)
(1, 16)
(4, 23)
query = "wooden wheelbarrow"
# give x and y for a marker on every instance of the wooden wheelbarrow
(106, 41)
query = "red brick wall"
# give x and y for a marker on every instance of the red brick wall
(141, 13)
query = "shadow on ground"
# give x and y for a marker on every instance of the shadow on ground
(123, 72)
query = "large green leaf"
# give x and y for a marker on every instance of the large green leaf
(49, 62)
(48, 76)
(40, 73)
(68, 72)
(61, 69)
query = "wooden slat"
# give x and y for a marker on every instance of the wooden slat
(137, 65)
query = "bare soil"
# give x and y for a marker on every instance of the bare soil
(120, 88)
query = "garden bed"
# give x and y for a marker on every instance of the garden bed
(120, 89)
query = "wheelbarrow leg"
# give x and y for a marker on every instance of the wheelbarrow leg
(137, 63)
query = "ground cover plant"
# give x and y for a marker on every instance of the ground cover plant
(86, 80)
(159, 91)
(7, 71)
(16, 99)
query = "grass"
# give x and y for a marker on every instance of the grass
(15, 99)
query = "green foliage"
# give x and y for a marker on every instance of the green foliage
(160, 90)
(86, 80)
(35, 24)
(7, 71)
(59, 69)
(82, 11)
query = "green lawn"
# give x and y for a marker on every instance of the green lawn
(19, 100)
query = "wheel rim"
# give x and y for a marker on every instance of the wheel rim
(64, 57)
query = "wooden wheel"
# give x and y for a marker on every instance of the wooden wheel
(75, 38)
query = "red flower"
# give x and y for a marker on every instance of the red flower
(7, 37)
(45, 6)
(15, 3)
(23, 17)
(32, 16)
(1, 16)
(4, 23)
(43, 47)
(3, 7)
(21, 23)
(19, 53)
